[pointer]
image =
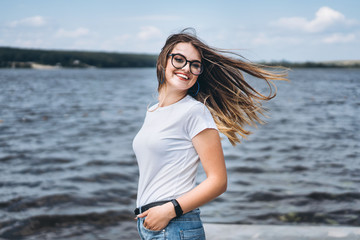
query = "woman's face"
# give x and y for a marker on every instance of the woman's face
(181, 79)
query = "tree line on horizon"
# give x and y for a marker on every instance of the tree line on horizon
(10, 57)
(22, 58)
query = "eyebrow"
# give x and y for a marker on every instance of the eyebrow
(186, 57)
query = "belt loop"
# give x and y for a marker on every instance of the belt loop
(140, 210)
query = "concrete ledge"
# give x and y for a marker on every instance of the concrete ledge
(275, 232)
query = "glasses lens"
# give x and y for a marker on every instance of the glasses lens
(196, 68)
(178, 61)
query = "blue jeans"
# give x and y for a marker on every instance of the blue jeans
(188, 226)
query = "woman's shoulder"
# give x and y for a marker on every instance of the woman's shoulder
(195, 106)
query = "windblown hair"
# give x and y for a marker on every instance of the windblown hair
(232, 101)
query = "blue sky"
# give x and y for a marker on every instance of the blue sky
(316, 30)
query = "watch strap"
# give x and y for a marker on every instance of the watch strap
(177, 207)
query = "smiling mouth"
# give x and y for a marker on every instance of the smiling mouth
(182, 76)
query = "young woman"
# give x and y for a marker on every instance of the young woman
(201, 92)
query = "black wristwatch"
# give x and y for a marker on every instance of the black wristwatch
(177, 207)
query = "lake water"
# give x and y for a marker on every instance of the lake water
(67, 169)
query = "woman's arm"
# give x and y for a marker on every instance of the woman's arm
(208, 146)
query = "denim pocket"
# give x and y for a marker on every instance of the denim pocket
(193, 234)
(153, 231)
(151, 234)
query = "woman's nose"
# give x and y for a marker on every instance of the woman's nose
(187, 67)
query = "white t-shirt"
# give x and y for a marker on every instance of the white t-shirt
(166, 156)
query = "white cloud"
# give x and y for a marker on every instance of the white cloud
(339, 38)
(264, 39)
(79, 32)
(149, 32)
(36, 21)
(325, 17)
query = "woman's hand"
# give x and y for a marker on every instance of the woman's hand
(157, 218)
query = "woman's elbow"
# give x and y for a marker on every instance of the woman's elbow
(224, 186)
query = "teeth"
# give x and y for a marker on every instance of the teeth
(182, 76)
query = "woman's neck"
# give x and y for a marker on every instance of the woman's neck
(167, 98)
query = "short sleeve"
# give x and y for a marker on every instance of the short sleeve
(199, 119)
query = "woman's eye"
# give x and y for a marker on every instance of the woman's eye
(179, 59)
(196, 65)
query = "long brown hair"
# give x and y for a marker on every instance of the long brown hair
(232, 102)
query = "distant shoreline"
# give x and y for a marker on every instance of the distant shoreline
(324, 64)
(50, 59)
(56, 59)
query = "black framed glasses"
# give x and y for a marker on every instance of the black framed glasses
(179, 61)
